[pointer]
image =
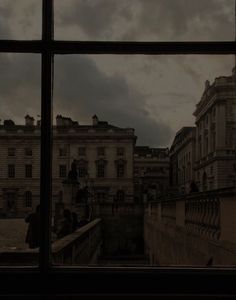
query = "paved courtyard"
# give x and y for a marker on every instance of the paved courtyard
(12, 234)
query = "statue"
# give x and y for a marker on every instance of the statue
(72, 175)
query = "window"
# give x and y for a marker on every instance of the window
(28, 151)
(28, 199)
(62, 171)
(11, 171)
(11, 151)
(28, 171)
(48, 48)
(100, 168)
(120, 169)
(82, 151)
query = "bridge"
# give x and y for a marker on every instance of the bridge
(198, 229)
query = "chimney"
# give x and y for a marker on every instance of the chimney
(95, 120)
(29, 121)
(59, 120)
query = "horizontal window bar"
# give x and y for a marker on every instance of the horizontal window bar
(148, 48)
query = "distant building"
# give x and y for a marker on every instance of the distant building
(103, 154)
(151, 172)
(182, 159)
(216, 134)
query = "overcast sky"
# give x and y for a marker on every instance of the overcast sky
(156, 95)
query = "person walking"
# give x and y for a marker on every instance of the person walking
(33, 232)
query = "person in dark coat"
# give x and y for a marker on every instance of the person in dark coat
(33, 232)
(66, 224)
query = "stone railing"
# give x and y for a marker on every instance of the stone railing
(210, 214)
(202, 215)
(81, 247)
(194, 229)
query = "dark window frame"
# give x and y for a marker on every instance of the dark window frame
(28, 171)
(135, 281)
(28, 199)
(11, 171)
(62, 171)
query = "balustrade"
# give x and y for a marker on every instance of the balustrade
(201, 213)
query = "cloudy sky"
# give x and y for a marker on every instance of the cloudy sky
(156, 95)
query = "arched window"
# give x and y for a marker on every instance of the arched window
(120, 168)
(101, 168)
(28, 199)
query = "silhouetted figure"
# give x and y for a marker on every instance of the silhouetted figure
(193, 187)
(66, 224)
(72, 175)
(33, 232)
(210, 262)
(75, 223)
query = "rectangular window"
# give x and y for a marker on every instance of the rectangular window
(11, 171)
(156, 122)
(28, 199)
(100, 170)
(11, 151)
(28, 171)
(62, 171)
(120, 170)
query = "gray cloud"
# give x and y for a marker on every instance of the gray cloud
(19, 85)
(144, 20)
(82, 90)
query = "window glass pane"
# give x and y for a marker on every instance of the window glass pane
(20, 19)
(168, 197)
(149, 20)
(20, 158)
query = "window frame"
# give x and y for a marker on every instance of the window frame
(135, 281)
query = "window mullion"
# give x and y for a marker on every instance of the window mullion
(46, 137)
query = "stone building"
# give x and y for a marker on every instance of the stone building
(216, 134)
(151, 172)
(103, 154)
(182, 159)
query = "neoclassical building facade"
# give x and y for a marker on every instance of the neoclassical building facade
(102, 152)
(215, 165)
(206, 153)
(151, 172)
(182, 160)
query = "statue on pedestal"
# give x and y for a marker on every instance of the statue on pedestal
(73, 175)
